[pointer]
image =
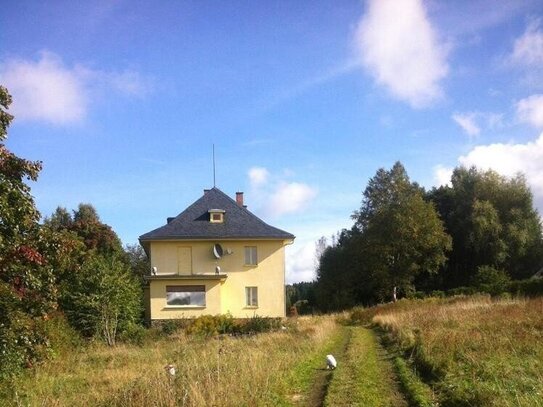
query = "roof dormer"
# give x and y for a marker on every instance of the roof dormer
(216, 215)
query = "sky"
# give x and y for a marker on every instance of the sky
(304, 101)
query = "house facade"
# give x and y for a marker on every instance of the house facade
(216, 257)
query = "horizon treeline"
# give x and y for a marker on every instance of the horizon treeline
(481, 231)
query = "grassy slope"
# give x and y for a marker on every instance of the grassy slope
(248, 371)
(476, 351)
(364, 377)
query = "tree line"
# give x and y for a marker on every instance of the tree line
(482, 230)
(70, 266)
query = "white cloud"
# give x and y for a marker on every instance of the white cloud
(274, 196)
(467, 122)
(530, 110)
(442, 175)
(528, 49)
(300, 263)
(48, 90)
(44, 90)
(509, 159)
(473, 123)
(258, 176)
(399, 47)
(290, 198)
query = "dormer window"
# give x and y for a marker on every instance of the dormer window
(216, 215)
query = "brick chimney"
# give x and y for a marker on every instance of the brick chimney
(239, 198)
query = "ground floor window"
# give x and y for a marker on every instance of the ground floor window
(251, 296)
(186, 295)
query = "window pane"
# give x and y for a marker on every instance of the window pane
(251, 296)
(186, 296)
(250, 255)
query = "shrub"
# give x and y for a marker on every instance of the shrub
(134, 334)
(171, 326)
(258, 324)
(491, 280)
(211, 325)
(104, 298)
(532, 287)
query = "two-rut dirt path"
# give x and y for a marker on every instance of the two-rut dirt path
(364, 376)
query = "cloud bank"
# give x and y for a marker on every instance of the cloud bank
(398, 46)
(277, 197)
(48, 90)
(507, 159)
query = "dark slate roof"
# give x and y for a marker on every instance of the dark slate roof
(193, 222)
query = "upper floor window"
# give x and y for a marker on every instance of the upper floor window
(216, 215)
(251, 256)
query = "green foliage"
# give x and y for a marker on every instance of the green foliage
(532, 287)
(135, 334)
(27, 290)
(139, 262)
(171, 326)
(301, 296)
(103, 299)
(258, 324)
(492, 222)
(212, 325)
(491, 280)
(418, 393)
(396, 237)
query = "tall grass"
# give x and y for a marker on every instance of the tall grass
(226, 371)
(476, 351)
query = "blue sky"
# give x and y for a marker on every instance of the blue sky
(304, 101)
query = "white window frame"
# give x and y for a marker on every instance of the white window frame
(251, 256)
(251, 297)
(186, 296)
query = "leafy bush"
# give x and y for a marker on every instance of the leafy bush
(171, 326)
(491, 280)
(532, 287)
(211, 325)
(258, 324)
(103, 299)
(134, 334)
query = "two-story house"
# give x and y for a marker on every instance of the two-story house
(216, 257)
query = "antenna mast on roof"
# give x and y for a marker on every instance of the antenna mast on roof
(213, 165)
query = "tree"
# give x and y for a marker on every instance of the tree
(492, 222)
(401, 234)
(27, 289)
(105, 299)
(139, 262)
(100, 283)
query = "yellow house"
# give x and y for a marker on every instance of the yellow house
(216, 257)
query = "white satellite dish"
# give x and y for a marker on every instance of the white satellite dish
(217, 251)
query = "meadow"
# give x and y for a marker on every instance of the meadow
(459, 351)
(274, 368)
(472, 351)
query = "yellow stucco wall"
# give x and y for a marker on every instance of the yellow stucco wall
(227, 296)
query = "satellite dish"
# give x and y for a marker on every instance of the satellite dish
(217, 251)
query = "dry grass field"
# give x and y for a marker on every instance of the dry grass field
(263, 369)
(460, 351)
(474, 351)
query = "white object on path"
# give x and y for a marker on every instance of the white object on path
(331, 362)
